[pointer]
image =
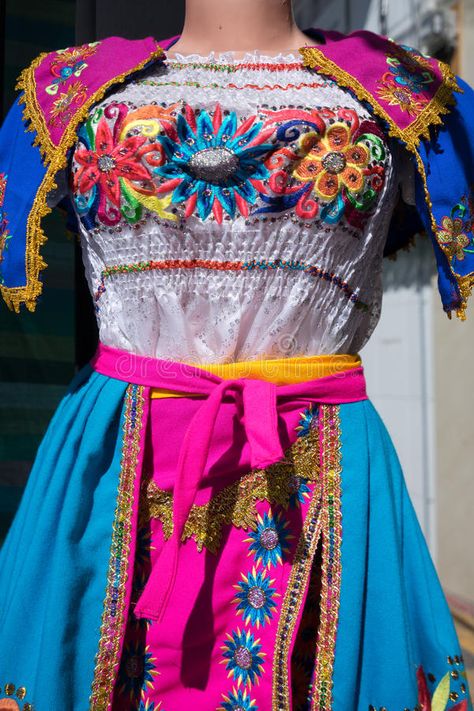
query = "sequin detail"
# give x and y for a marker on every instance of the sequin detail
(14, 698)
(322, 520)
(235, 504)
(251, 265)
(114, 615)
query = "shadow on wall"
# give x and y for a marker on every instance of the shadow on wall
(342, 15)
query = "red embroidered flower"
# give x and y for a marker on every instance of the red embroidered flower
(441, 695)
(109, 162)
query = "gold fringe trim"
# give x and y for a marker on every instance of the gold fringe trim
(235, 504)
(32, 114)
(56, 157)
(429, 116)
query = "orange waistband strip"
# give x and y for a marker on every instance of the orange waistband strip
(281, 371)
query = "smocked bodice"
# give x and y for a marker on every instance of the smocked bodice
(231, 209)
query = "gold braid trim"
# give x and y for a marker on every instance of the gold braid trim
(419, 128)
(32, 114)
(57, 158)
(235, 504)
(411, 136)
(465, 283)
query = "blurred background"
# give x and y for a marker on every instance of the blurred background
(418, 363)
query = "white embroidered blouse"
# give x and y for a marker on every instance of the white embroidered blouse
(232, 209)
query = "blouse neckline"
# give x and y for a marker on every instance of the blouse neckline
(228, 57)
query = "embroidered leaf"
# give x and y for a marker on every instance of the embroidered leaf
(441, 694)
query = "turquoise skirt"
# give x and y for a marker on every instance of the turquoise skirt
(391, 642)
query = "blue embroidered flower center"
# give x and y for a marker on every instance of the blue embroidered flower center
(334, 163)
(243, 657)
(269, 538)
(106, 163)
(213, 165)
(256, 597)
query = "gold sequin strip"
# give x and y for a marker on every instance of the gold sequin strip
(235, 504)
(113, 617)
(331, 520)
(297, 584)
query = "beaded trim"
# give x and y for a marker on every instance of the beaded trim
(215, 85)
(251, 66)
(235, 504)
(252, 265)
(114, 615)
(331, 558)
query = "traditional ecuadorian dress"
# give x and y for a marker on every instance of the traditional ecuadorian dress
(216, 518)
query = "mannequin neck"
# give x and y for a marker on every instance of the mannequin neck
(239, 26)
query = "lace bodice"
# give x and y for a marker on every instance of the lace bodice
(232, 209)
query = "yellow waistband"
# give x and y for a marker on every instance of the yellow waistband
(281, 371)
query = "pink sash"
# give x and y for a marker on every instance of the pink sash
(258, 399)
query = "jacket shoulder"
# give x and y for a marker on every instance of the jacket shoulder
(57, 87)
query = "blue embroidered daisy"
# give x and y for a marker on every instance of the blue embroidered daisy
(238, 700)
(149, 706)
(299, 490)
(214, 163)
(269, 543)
(137, 669)
(243, 657)
(255, 597)
(308, 420)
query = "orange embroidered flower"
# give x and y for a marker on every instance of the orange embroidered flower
(333, 162)
(452, 237)
(403, 97)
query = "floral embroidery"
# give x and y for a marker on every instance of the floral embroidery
(238, 700)
(137, 670)
(149, 706)
(269, 543)
(324, 163)
(456, 232)
(8, 703)
(337, 168)
(447, 689)
(300, 491)
(452, 237)
(243, 657)
(4, 234)
(114, 178)
(213, 163)
(69, 100)
(409, 75)
(67, 63)
(442, 693)
(255, 598)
